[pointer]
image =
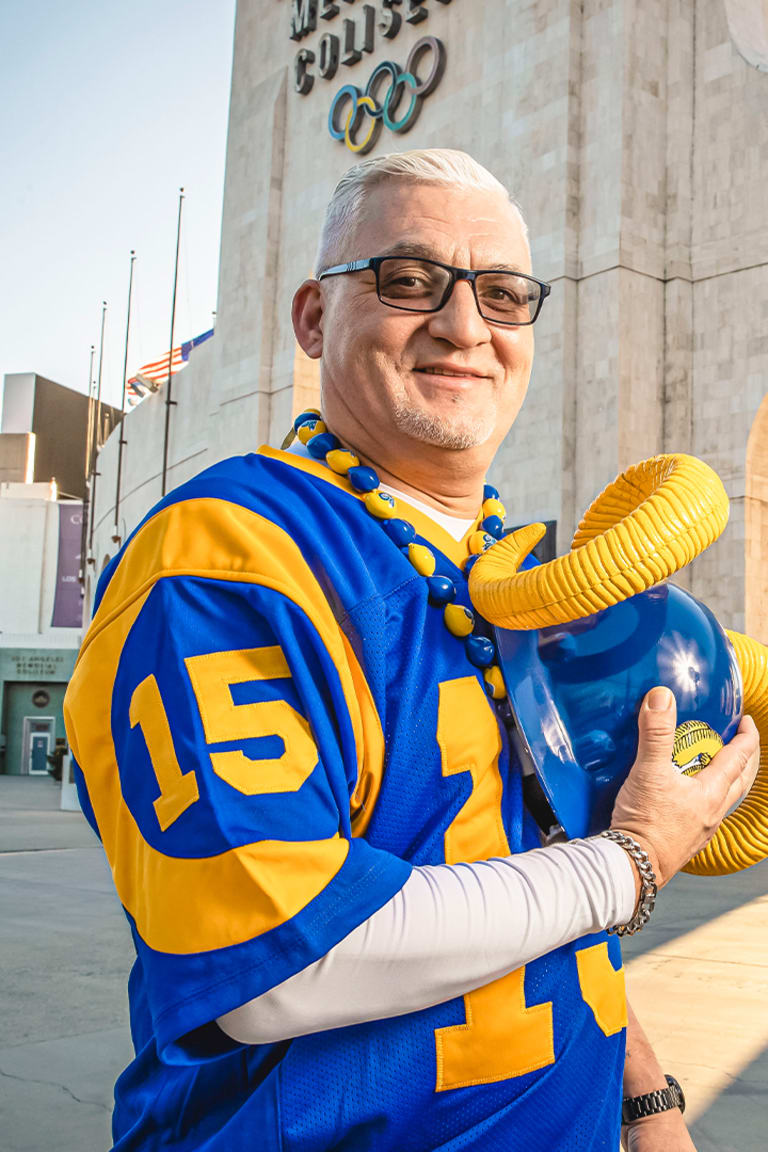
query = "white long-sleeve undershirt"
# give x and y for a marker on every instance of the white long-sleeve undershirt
(450, 929)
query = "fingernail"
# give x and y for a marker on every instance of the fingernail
(659, 699)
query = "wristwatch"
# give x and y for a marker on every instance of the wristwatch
(636, 1107)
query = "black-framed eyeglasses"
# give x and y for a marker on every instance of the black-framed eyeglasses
(416, 284)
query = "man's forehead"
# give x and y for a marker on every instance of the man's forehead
(442, 223)
(416, 246)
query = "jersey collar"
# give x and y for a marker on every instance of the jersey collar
(456, 550)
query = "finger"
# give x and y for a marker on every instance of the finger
(735, 757)
(737, 792)
(731, 772)
(656, 729)
(742, 785)
(748, 725)
(753, 767)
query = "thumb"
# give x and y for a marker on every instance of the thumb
(656, 725)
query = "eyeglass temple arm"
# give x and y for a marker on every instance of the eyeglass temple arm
(339, 269)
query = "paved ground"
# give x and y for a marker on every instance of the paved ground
(698, 977)
(65, 960)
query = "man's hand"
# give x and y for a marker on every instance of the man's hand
(666, 1132)
(674, 816)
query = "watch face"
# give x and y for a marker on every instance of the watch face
(651, 1103)
(678, 1092)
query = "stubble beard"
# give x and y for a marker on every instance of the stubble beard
(455, 430)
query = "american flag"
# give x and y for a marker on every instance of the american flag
(151, 376)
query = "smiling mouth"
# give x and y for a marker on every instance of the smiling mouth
(458, 373)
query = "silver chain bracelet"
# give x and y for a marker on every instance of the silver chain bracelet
(648, 888)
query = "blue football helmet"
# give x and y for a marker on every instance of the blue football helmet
(575, 691)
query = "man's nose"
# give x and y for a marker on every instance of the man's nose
(459, 320)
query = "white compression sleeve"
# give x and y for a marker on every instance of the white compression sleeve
(450, 928)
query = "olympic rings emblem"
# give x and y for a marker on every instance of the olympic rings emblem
(403, 83)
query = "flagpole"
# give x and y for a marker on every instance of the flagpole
(89, 429)
(96, 432)
(169, 403)
(122, 441)
(84, 520)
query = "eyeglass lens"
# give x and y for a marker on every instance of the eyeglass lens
(416, 285)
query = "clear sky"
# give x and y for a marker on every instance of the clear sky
(108, 106)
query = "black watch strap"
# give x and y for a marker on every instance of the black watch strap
(636, 1107)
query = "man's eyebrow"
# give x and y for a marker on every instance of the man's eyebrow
(421, 252)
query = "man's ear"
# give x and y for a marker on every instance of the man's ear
(307, 315)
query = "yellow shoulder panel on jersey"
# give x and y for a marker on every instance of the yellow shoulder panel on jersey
(187, 905)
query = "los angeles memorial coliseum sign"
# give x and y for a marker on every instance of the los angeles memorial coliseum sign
(393, 95)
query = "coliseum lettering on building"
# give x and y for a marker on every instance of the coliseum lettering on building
(392, 95)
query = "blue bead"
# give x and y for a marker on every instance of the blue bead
(363, 479)
(488, 541)
(305, 418)
(481, 652)
(469, 564)
(319, 446)
(494, 526)
(490, 493)
(441, 589)
(400, 531)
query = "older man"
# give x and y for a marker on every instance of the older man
(286, 720)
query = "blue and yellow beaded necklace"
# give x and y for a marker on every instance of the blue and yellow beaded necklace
(322, 445)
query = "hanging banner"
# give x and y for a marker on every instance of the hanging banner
(67, 602)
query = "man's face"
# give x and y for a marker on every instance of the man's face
(448, 378)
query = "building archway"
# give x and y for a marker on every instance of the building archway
(756, 528)
(748, 26)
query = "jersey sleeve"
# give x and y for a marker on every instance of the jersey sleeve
(220, 729)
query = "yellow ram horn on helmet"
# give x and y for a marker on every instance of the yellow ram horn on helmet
(650, 522)
(742, 838)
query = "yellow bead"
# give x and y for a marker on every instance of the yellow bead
(307, 431)
(478, 542)
(495, 682)
(340, 460)
(458, 619)
(422, 559)
(381, 505)
(494, 508)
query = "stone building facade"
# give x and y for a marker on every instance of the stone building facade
(634, 133)
(40, 620)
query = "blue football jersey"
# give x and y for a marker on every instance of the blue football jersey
(272, 726)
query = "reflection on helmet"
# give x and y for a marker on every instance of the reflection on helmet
(584, 637)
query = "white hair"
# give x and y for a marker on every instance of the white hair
(423, 166)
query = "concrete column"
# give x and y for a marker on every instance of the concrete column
(247, 318)
(620, 310)
(756, 520)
